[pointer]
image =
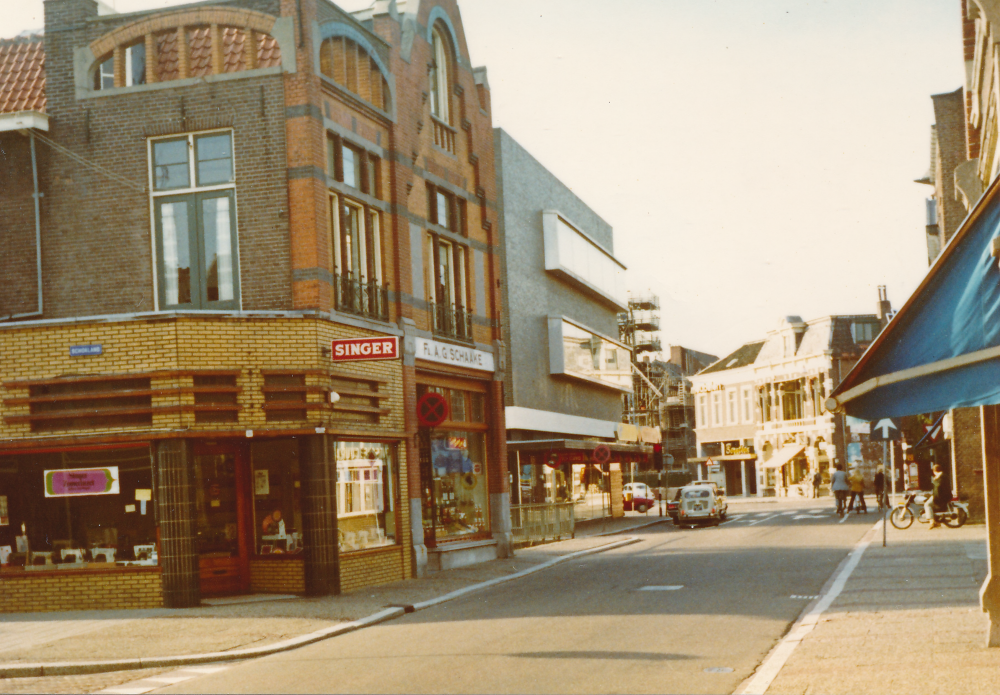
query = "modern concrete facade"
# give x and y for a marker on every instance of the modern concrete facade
(568, 371)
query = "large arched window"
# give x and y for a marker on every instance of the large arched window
(439, 76)
(348, 64)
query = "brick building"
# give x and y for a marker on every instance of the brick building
(241, 241)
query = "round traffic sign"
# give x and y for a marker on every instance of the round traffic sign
(432, 409)
(602, 452)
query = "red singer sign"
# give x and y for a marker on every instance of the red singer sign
(349, 349)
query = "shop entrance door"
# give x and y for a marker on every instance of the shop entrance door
(221, 518)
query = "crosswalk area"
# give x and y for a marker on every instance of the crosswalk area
(151, 683)
(802, 515)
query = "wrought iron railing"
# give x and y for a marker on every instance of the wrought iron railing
(367, 299)
(451, 321)
(534, 523)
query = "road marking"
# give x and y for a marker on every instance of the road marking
(672, 587)
(810, 598)
(151, 683)
(766, 519)
(807, 516)
(718, 669)
(787, 513)
(845, 518)
(776, 659)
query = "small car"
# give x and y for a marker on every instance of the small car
(720, 494)
(700, 504)
(638, 496)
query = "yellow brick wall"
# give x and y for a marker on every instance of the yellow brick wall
(74, 590)
(373, 567)
(617, 501)
(278, 576)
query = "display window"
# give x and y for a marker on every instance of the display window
(277, 497)
(80, 509)
(455, 492)
(367, 486)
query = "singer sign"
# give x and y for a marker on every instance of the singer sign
(351, 349)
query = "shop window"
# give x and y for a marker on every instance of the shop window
(367, 482)
(77, 510)
(194, 204)
(215, 398)
(284, 397)
(277, 497)
(455, 495)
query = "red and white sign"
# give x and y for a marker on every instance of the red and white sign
(350, 349)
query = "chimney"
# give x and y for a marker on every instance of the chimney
(884, 306)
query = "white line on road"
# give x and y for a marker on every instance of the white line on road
(845, 518)
(778, 656)
(673, 587)
(766, 519)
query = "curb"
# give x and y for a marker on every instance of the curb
(73, 668)
(758, 682)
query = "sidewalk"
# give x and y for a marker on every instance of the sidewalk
(36, 644)
(907, 620)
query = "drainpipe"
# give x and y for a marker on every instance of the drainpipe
(38, 231)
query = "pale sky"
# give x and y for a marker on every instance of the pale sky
(755, 158)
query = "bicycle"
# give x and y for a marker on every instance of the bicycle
(883, 501)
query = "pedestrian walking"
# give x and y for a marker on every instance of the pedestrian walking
(857, 481)
(840, 487)
(817, 481)
(880, 489)
(940, 497)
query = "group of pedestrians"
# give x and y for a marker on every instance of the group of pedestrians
(841, 483)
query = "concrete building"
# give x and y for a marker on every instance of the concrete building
(563, 291)
(240, 242)
(726, 421)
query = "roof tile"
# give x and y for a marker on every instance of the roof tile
(22, 74)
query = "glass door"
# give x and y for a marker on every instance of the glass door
(220, 512)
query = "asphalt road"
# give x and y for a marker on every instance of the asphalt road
(594, 624)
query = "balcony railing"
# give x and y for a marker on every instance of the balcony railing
(451, 321)
(367, 299)
(444, 135)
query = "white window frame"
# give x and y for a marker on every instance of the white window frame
(129, 81)
(732, 407)
(703, 410)
(717, 411)
(747, 405)
(439, 77)
(192, 188)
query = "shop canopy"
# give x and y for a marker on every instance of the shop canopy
(784, 455)
(942, 350)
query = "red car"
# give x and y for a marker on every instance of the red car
(638, 496)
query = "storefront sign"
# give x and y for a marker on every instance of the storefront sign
(731, 450)
(455, 355)
(85, 350)
(352, 349)
(72, 482)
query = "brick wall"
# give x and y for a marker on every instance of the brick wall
(967, 458)
(19, 289)
(279, 575)
(77, 590)
(617, 499)
(373, 567)
(949, 115)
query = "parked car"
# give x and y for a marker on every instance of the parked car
(700, 504)
(638, 496)
(719, 492)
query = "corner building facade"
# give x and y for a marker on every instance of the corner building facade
(244, 240)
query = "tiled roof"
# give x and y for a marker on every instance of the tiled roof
(741, 357)
(22, 74)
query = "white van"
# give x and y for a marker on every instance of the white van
(699, 504)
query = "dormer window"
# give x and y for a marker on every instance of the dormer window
(439, 77)
(864, 331)
(135, 65)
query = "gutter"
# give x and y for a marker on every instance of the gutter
(38, 227)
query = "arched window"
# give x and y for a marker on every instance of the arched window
(349, 65)
(439, 76)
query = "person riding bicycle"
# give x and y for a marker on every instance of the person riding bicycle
(940, 497)
(840, 486)
(857, 481)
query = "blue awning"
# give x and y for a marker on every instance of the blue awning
(942, 350)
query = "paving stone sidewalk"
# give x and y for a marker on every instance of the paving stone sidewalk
(32, 638)
(907, 621)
